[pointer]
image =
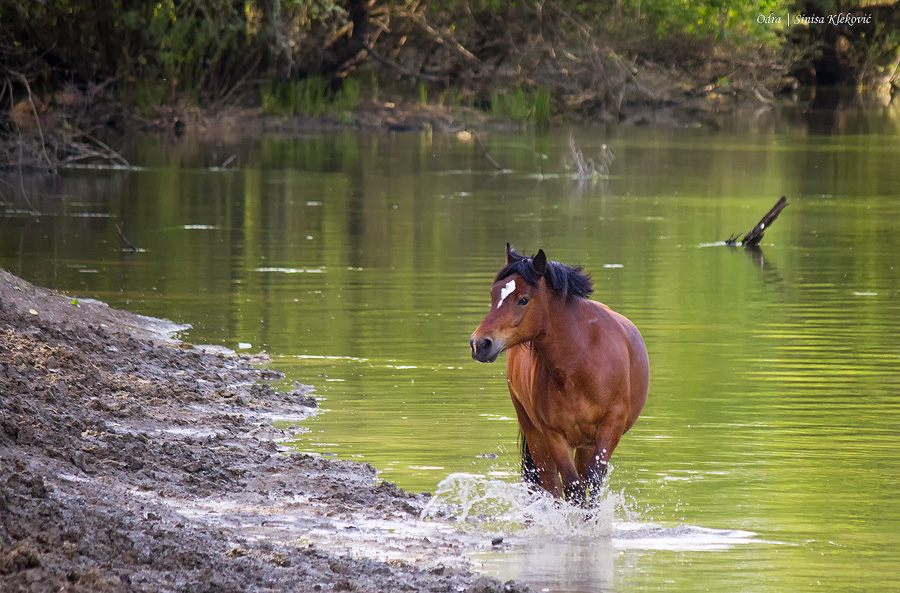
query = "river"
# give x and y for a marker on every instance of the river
(766, 458)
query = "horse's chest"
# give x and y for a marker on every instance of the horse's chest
(559, 404)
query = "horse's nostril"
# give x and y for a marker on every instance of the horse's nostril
(481, 347)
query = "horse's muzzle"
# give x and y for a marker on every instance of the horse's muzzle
(485, 349)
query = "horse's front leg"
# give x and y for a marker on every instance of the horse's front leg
(595, 462)
(541, 460)
(573, 486)
(544, 463)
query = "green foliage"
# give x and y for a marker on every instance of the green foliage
(150, 54)
(165, 51)
(148, 94)
(732, 20)
(880, 57)
(542, 106)
(304, 97)
(311, 97)
(347, 99)
(521, 106)
(373, 86)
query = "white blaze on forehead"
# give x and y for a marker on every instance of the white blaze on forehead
(506, 291)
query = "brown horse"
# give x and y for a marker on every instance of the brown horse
(578, 372)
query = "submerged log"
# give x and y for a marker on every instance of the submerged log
(753, 238)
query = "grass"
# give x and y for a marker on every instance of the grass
(312, 97)
(521, 106)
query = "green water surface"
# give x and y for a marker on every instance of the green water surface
(362, 263)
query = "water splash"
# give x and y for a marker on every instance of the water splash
(484, 504)
(554, 546)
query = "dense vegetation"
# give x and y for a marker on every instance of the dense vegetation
(97, 61)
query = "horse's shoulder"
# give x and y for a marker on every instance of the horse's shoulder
(602, 313)
(606, 323)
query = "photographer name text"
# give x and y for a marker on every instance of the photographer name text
(844, 18)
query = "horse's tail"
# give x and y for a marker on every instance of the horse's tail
(529, 470)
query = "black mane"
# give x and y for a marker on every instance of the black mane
(567, 281)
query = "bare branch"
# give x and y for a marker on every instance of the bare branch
(124, 239)
(111, 154)
(400, 68)
(37, 119)
(484, 151)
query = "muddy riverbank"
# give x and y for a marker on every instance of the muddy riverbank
(132, 462)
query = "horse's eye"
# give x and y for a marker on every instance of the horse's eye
(523, 301)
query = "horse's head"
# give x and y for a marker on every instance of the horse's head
(518, 297)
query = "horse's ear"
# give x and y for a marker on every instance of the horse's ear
(539, 263)
(510, 254)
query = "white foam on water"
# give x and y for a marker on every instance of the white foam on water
(553, 546)
(646, 536)
(490, 505)
(291, 270)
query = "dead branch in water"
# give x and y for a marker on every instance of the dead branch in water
(484, 151)
(24, 151)
(755, 235)
(587, 168)
(111, 154)
(37, 120)
(124, 239)
(40, 139)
